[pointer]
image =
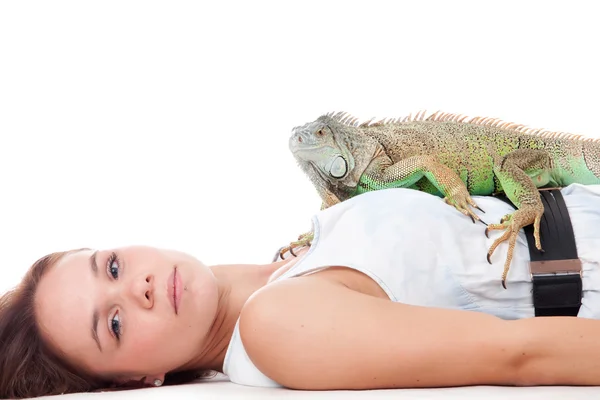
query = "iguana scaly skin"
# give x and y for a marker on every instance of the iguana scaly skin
(448, 155)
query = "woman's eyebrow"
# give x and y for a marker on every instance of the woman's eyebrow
(95, 314)
(93, 264)
(95, 319)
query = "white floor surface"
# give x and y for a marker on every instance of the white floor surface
(221, 388)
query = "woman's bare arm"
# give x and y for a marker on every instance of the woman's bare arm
(310, 333)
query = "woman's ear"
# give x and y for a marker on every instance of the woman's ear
(132, 382)
(124, 384)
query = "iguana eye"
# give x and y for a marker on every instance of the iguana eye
(320, 132)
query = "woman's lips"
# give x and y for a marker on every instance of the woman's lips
(174, 289)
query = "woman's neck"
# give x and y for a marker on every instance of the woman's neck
(236, 284)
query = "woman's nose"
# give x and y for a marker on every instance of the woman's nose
(142, 290)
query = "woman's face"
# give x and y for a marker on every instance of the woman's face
(113, 311)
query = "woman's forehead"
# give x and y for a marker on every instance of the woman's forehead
(64, 303)
(75, 258)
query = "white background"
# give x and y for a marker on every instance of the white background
(166, 123)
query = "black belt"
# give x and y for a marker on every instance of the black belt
(556, 272)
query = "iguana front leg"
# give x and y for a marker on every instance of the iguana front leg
(382, 173)
(520, 173)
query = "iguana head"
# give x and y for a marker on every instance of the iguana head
(316, 144)
(338, 152)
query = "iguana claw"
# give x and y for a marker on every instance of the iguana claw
(512, 223)
(461, 200)
(303, 240)
(277, 254)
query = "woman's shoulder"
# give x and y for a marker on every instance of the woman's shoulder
(275, 324)
(280, 301)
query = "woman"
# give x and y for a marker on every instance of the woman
(395, 291)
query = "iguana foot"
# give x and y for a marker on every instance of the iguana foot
(461, 200)
(303, 240)
(512, 223)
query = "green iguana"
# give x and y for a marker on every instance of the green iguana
(448, 155)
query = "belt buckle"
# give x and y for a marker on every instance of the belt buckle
(555, 267)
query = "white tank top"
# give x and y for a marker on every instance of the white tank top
(422, 251)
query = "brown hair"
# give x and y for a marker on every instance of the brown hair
(29, 367)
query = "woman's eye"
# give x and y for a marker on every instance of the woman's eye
(114, 270)
(115, 327)
(113, 266)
